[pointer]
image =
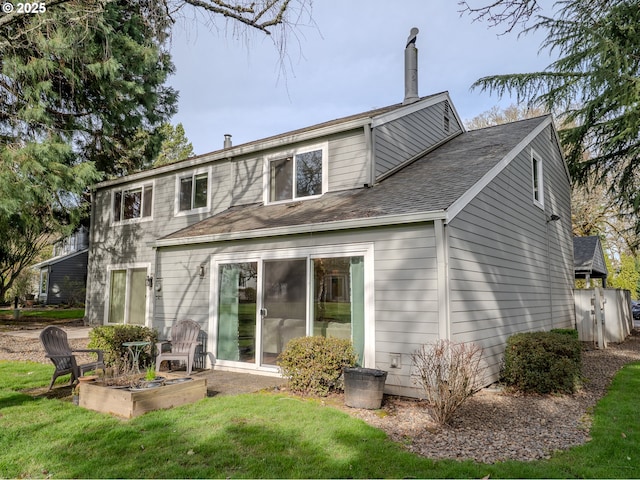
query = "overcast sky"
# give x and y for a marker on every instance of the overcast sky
(351, 61)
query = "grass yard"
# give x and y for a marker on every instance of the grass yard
(40, 317)
(266, 436)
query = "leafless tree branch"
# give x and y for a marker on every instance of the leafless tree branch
(508, 13)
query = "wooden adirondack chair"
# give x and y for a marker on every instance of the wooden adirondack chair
(182, 346)
(57, 348)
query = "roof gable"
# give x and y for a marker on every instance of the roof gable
(588, 257)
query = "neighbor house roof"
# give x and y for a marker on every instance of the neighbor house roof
(60, 258)
(424, 190)
(588, 257)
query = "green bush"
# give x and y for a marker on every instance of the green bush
(543, 362)
(111, 337)
(314, 365)
(572, 332)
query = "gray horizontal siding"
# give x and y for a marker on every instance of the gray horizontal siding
(349, 165)
(406, 298)
(405, 282)
(397, 141)
(502, 280)
(67, 279)
(234, 182)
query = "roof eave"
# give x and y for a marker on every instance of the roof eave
(58, 259)
(386, 220)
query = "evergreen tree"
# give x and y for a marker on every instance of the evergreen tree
(91, 80)
(175, 146)
(592, 87)
(83, 97)
(76, 83)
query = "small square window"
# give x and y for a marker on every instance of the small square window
(132, 203)
(296, 176)
(193, 192)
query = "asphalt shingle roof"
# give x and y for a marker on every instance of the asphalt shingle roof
(432, 183)
(585, 250)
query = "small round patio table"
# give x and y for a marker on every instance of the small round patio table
(135, 348)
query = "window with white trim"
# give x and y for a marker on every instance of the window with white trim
(537, 179)
(132, 203)
(127, 295)
(192, 192)
(296, 175)
(44, 281)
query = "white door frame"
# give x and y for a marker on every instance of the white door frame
(365, 250)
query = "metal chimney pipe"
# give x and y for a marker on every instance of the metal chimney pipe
(411, 69)
(227, 140)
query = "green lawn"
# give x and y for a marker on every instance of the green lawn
(266, 436)
(47, 313)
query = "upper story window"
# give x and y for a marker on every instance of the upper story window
(132, 203)
(192, 192)
(537, 179)
(297, 175)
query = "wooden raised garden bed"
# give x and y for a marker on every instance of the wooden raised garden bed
(131, 403)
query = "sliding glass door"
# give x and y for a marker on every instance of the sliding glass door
(262, 305)
(237, 311)
(284, 306)
(338, 299)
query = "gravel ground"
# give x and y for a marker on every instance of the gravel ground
(491, 426)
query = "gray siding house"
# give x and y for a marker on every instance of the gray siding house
(63, 278)
(393, 228)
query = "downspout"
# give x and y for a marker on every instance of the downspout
(442, 261)
(90, 276)
(152, 288)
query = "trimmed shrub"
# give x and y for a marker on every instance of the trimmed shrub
(543, 362)
(111, 337)
(572, 332)
(314, 365)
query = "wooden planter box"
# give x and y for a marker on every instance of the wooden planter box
(129, 404)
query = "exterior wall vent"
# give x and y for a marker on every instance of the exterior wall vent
(447, 127)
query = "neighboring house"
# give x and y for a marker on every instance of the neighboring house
(589, 260)
(393, 228)
(63, 278)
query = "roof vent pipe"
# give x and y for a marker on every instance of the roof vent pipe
(411, 69)
(227, 140)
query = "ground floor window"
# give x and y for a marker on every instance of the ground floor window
(44, 281)
(127, 296)
(264, 304)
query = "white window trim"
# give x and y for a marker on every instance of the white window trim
(365, 250)
(266, 171)
(128, 267)
(44, 282)
(132, 186)
(192, 173)
(536, 162)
